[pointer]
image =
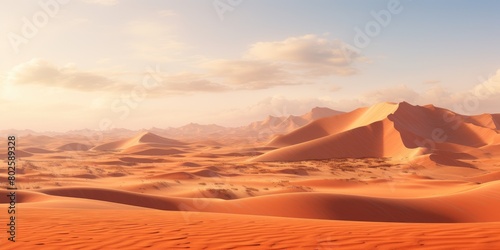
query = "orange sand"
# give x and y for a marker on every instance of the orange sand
(355, 180)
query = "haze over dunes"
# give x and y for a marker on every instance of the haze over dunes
(375, 170)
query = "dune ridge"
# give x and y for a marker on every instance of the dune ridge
(145, 138)
(400, 131)
(474, 205)
(74, 146)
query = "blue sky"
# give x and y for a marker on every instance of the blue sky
(261, 58)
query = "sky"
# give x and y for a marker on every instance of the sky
(100, 64)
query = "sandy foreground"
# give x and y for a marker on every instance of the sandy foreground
(151, 192)
(337, 204)
(131, 228)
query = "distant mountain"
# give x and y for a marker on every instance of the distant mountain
(289, 123)
(262, 130)
(191, 130)
(255, 131)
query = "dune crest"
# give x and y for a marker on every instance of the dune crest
(401, 131)
(144, 138)
(451, 208)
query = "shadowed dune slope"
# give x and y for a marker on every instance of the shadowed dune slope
(475, 205)
(388, 130)
(335, 124)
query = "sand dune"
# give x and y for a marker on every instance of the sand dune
(141, 160)
(335, 124)
(24, 196)
(388, 130)
(175, 176)
(146, 138)
(74, 146)
(495, 176)
(390, 176)
(379, 139)
(19, 153)
(34, 150)
(491, 121)
(320, 112)
(476, 205)
(148, 149)
(38, 139)
(189, 164)
(206, 173)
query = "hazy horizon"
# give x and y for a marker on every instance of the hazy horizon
(249, 124)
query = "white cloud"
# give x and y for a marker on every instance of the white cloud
(482, 98)
(315, 55)
(295, 60)
(188, 82)
(43, 73)
(488, 88)
(299, 60)
(248, 74)
(40, 72)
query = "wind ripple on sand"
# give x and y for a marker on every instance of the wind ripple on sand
(153, 229)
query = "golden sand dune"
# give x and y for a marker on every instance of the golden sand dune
(74, 146)
(335, 124)
(34, 150)
(145, 138)
(390, 176)
(389, 130)
(149, 149)
(475, 205)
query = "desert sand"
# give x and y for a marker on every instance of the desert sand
(389, 176)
